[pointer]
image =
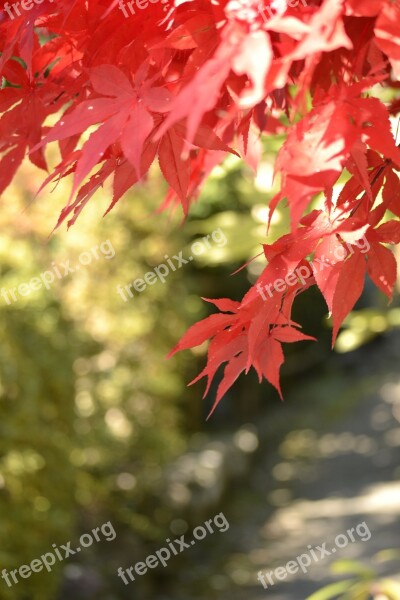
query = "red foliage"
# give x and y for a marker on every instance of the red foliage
(188, 81)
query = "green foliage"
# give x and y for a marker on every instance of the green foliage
(89, 407)
(36, 441)
(365, 583)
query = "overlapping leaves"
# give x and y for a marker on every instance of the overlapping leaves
(186, 82)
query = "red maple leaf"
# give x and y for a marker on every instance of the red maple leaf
(188, 82)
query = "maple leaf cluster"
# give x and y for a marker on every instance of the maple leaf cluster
(189, 81)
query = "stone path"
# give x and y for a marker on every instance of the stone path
(325, 484)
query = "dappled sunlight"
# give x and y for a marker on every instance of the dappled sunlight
(311, 469)
(379, 499)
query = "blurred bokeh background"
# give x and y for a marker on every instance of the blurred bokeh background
(96, 425)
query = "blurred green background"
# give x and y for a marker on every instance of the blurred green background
(95, 423)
